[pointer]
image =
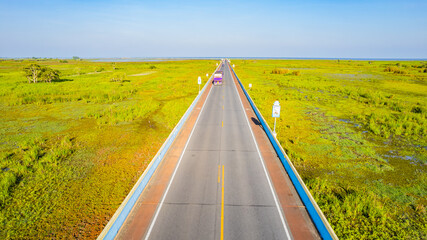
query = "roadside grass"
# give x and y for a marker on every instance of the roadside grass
(356, 132)
(71, 150)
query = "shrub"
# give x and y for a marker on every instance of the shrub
(296, 73)
(118, 77)
(390, 69)
(152, 67)
(400, 71)
(417, 109)
(394, 70)
(280, 71)
(99, 69)
(48, 74)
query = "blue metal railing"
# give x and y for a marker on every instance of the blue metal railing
(315, 216)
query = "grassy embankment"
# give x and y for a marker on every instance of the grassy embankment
(356, 132)
(71, 150)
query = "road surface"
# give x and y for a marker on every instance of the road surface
(220, 187)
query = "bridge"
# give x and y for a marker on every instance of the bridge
(220, 175)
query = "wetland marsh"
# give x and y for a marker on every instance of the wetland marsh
(356, 133)
(72, 149)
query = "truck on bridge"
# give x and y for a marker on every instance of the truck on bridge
(218, 77)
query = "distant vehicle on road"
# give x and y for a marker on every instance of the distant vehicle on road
(218, 77)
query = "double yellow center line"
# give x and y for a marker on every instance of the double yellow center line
(222, 199)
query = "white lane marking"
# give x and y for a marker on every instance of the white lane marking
(262, 162)
(176, 169)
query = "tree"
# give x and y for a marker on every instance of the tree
(48, 74)
(32, 72)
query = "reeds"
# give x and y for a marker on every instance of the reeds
(280, 71)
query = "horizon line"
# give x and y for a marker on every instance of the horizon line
(220, 57)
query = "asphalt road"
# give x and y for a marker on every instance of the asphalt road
(220, 188)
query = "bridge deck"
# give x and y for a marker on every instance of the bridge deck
(220, 179)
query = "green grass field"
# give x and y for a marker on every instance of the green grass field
(71, 150)
(356, 132)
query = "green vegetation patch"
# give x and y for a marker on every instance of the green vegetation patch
(72, 146)
(356, 132)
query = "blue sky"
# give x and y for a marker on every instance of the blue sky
(295, 28)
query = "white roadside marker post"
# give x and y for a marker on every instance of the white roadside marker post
(250, 86)
(275, 114)
(233, 65)
(199, 81)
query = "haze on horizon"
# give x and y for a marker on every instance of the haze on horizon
(291, 28)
